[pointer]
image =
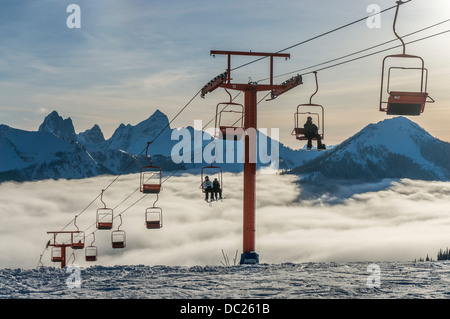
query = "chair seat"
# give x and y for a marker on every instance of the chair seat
(153, 224)
(120, 244)
(151, 188)
(406, 103)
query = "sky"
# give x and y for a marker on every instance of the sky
(401, 220)
(129, 58)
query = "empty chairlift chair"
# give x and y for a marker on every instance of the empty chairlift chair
(118, 237)
(77, 237)
(153, 217)
(78, 240)
(56, 254)
(403, 101)
(90, 252)
(104, 216)
(229, 120)
(150, 178)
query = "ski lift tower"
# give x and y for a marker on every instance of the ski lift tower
(250, 90)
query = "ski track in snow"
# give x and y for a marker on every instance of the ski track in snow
(264, 281)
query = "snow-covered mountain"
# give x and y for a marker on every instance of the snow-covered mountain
(56, 151)
(393, 148)
(43, 155)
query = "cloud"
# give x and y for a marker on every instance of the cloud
(388, 221)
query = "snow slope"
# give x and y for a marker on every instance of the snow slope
(402, 280)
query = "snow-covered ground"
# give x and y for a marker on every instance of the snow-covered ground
(285, 281)
(319, 247)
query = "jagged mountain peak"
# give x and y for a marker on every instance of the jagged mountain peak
(93, 135)
(157, 119)
(55, 124)
(131, 138)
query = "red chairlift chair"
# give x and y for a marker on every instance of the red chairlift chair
(306, 110)
(229, 119)
(151, 177)
(402, 102)
(77, 237)
(118, 237)
(56, 254)
(104, 216)
(90, 252)
(212, 172)
(153, 217)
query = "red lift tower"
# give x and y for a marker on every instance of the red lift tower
(63, 239)
(249, 256)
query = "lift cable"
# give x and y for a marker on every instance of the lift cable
(364, 50)
(321, 35)
(368, 55)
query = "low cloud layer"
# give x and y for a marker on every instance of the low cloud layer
(386, 221)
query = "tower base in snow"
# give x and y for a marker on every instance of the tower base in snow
(249, 258)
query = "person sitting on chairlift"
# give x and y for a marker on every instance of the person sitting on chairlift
(216, 190)
(208, 187)
(312, 131)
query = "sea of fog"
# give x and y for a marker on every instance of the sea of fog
(399, 220)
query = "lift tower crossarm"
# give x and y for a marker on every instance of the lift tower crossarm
(213, 84)
(286, 86)
(250, 53)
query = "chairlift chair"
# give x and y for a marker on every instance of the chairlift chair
(56, 254)
(118, 237)
(78, 240)
(212, 172)
(229, 119)
(401, 102)
(153, 217)
(301, 117)
(90, 252)
(316, 111)
(77, 237)
(151, 177)
(104, 216)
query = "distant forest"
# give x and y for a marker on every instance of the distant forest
(442, 255)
